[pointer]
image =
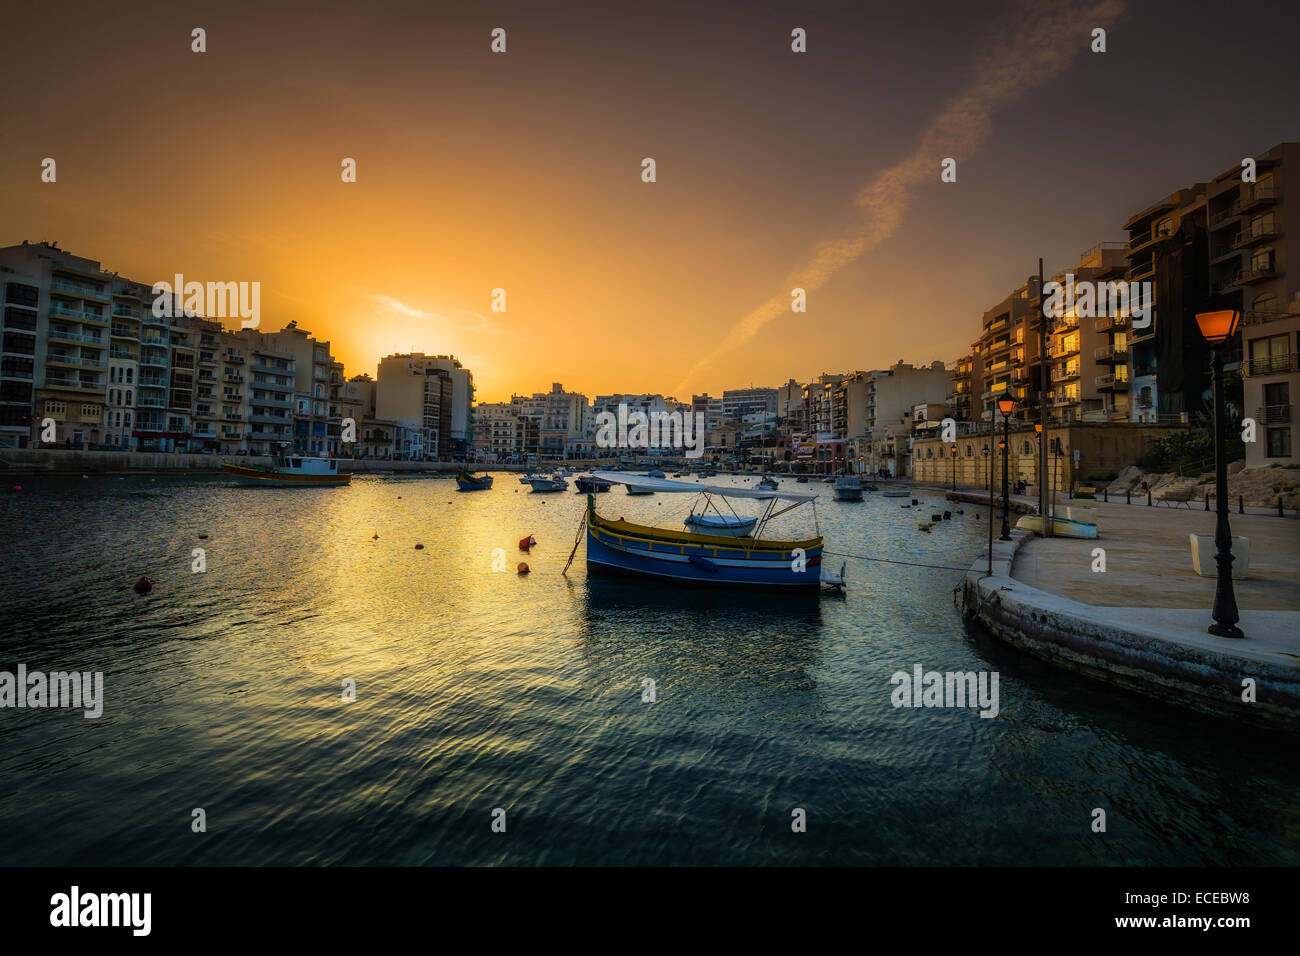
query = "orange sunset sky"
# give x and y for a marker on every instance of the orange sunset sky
(523, 170)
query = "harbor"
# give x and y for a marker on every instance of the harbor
(477, 687)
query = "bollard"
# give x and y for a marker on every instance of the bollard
(1207, 501)
(1105, 494)
(1279, 507)
(1148, 497)
(1128, 496)
(1241, 504)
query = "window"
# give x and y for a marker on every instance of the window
(1262, 261)
(55, 409)
(1269, 354)
(128, 397)
(130, 375)
(1279, 443)
(89, 411)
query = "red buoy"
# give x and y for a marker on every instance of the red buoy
(143, 586)
(526, 543)
(523, 568)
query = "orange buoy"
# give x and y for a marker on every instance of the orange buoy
(143, 586)
(523, 567)
(526, 543)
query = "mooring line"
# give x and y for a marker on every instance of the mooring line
(910, 564)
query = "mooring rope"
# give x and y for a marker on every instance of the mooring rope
(910, 564)
(577, 539)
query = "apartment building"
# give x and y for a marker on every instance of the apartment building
(1254, 240)
(711, 408)
(418, 391)
(967, 386)
(738, 404)
(497, 434)
(1009, 354)
(54, 353)
(1087, 354)
(313, 428)
(1168, 359)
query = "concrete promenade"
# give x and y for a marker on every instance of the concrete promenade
(1141, 624)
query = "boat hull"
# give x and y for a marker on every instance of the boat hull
(619, 547)
(246, 475)
(1061, 527)
(466, 482)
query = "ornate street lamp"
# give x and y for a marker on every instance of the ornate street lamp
(953, 449)
(988, 466)
(1005, 405)
(1218, 328)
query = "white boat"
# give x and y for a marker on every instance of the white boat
(1061, 527)
(733, 526)
(291, 471)
(848, 488)
(639, 490)
(544, 484)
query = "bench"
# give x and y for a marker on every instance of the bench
(1176, 498)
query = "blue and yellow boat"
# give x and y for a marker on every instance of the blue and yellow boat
(622, 547)
(467, 482)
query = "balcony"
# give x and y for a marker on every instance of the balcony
(78, 314)
(123, 332)
(1141, 271)
(79, 290)
(154, 361)
(1274, 414)
(1141, 335)
(1257, 197)
(1254, 274)
(67, 335)
(160, 320)
(1248, 236)
(233, 359)
(153, 339)
(1273, 365)
(1110, 353)
(1108, 322)
(125, 311)
(1066, 374)
(1117, 383)
(121, 354)
(145, 401)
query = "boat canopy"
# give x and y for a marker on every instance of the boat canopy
(669, 486)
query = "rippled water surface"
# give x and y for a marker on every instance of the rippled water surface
(477, 690)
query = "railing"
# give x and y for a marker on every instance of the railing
(123, 332)
(76, 337)
(1244, 276)
(1274, 414)
(1256, 195)
(1108, 352)
(143, 402)
(1261, 317)
(77, 288)
(1272, 365)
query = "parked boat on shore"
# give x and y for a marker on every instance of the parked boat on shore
(1061, 527)
(290, 471)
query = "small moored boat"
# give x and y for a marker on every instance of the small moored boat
(548, 484)
(731, 525)
(467, 482)
(588, 484)
(704, 558)
(290, 471)
(848, 488)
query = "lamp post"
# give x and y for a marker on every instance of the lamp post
(1038, 446)
(988, 466)
(1218, 328)
(1005, 406)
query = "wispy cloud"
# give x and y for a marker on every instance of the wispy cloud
(1043, 42)
(460, 318)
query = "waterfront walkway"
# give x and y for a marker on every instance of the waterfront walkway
(1141, 624)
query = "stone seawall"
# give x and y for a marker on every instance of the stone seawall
(1163, 654)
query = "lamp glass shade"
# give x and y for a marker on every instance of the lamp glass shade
(1039, 428)
(1005, 405)
(1002, 446)
(1217, 327)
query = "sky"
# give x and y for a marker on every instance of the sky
(522, 170)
